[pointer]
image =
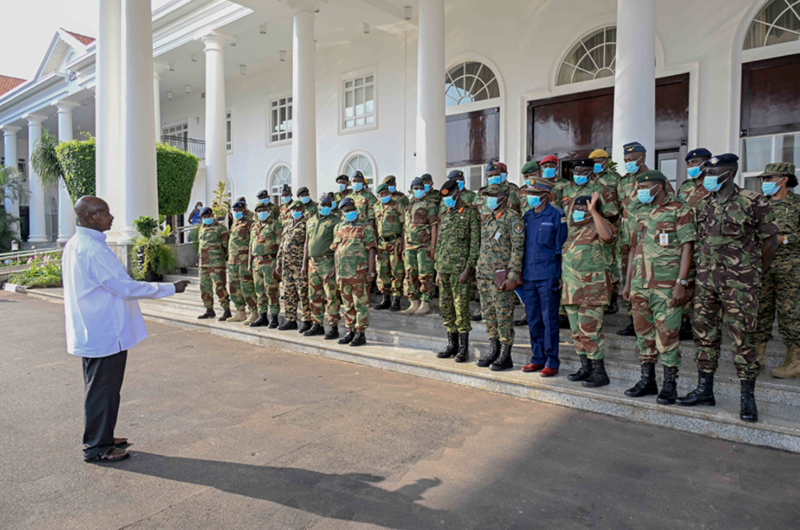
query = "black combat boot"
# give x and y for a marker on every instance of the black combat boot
(208, 314)
(305, 327)
(503, 362)
(747, 405)
(490, 356)
(359, 339)
(288, 325)
(686, 329)
(315, 330)
(348, 337)
(629, 331)
(463, 348)
(395, 304)
(226, 314)
(703, 394)
(451, 348)
(647, 384)
(583, 372)
(477, 318)
(333, 333)
(273, 321)
(613, 307)
(669, 390)
(563, 322)
(599, 376)
(386, 303)
(263, 320)
(520, 322)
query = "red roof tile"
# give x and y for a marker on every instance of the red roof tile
(9, 83)
(83, 39)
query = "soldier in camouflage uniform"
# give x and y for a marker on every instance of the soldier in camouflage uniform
(661, 236)
(398, 196)
(309, 206)
(273, 209)
(431, 193)
(390, 218)
(548, 167)
(265, 239)
(780, 289)
(737, 237)
(286, 204)
(242, 290)
(213, 250)
(586, 284)
(609, 178)
(354, 245)
(290, 268)
(318, 257)
(364, 200)
(458, 247)
(502, 246)
(342, 189)
(494, 176)
(421, 229)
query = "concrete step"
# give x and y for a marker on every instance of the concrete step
(413, 353)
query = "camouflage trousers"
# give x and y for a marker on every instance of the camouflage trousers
(616, 279)
(454, 300)
(736, 306)
(586, 324)
(267, 291)
(355, 300)
(497, 310)
(242, 289)
(624, 254)
(419, 274)
(213, 279)
(779, 292)
(391, 269)
(322, 288)
(690, 289)
(658, 326)
(295, 293)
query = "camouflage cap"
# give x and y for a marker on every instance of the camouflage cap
(530, 167)
(382, 187)
(779, 169)
(389, 178)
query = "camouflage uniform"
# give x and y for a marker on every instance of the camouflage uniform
(469, 197)
(400, 198)
(265, 237)
(365, 204)
(610, 178)
(728, 274)
(434, 196)
(286, 214)
(657, 235)
(780, 289)
(558, 190)
(457, 247)
(321, 276)
(391, 268)
(339, 195)
(213, 251)
(693, 192)
(351, 244)
(512, 200)
(421, 216)
(502, 247)
(242, 289)
(309, 210)
(290, 257)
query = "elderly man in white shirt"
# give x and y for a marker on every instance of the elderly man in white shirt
(103, 321)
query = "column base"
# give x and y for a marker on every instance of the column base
(38, 239)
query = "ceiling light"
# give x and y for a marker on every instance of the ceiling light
(366, 28)
(243, 69)
(188, 89)
(283, 56)
(262, 29)
(408, 12)
(169, 94)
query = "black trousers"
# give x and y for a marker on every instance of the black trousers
(103, 379)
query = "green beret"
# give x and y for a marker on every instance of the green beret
(296, 204)
(784, 169)
(651, 176)
(494, 189)
(530, 167)
(427, 177)
(389, 178)
(381, 188)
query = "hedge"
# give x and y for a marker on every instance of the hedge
(77, 162)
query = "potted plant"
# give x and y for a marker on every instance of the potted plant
(151, 257)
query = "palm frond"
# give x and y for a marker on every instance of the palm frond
(12, 184)
(44, 160)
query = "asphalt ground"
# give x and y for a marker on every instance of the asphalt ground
(231, 435)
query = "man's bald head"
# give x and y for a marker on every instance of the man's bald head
(93, 212)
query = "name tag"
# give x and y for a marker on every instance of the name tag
(663, 239)
(497, 235)
(547, 224)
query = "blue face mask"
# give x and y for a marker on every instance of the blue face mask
(297, 215)
(492, 202)
(333, 204)
(427, 187)
(460, 185)
(503, 177)
(238, 215)
(418, 194)
(631, 167)
(449, 202)
(286, 200)
(598, 168)
(392, 189)
(693, 172)
(770, 188)
(549, 172)
(495, 180)
(534, 201)
(385, 198)
(351, 216)
(342, 187)
(580, 180)
(264, 201)
(209, 221)
(324, 211)
(578, 215)
(358, 186)
(644, 196)
(712, 183)
(527, 182)
(263, 215)
(305, 200)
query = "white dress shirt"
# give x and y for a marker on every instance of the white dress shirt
(103, 316)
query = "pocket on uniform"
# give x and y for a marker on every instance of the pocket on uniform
(544, 237)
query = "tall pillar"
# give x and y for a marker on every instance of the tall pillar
(157, 71)
(140, 189)
(11, 159)
(431, 145)
(66, 212)
(216, 151)
(37, 211)
(108, 109)
(304, 94)
(635, 83)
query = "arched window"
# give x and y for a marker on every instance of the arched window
(468, 82)
(777, 22)
(360, 163)
(593, 57)
(280, 175)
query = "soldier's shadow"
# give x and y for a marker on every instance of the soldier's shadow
(347, 496)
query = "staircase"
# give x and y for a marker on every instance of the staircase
(408, 344)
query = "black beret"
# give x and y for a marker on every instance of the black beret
(455, 174)
(345, 202)
(701, 152)
(651, 176)
(243, 199)
(286, 187)
(325, 198)
(634, 147)
(358, 174)
(417, 182)
(239, 204)
(585, 162)
(728, 159)
(263, 193)
(205, 211)
(585, 199)
(343, 177)
(302, 190)
(449, 187)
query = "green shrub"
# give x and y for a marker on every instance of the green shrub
(44, 271)
(158, 257)
(176, 172)
(77, 162)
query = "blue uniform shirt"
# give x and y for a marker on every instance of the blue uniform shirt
(545, 233)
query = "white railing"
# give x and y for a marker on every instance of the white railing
(24, 255)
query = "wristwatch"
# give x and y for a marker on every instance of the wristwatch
(683, 281)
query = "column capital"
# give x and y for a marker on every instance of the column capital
(216, 40)
(158, 69)
(65, 107)
(34, 119)
(10, 130)
(307, 6)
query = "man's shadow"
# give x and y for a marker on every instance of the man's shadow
(348, 496)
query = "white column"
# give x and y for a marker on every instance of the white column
(37, 211)
(11, 159)
(431, 144)
(108, 109)
(66, 212)
(635, 84)
(216, 151)
(304, 94)
(140, 190)
(157, 71)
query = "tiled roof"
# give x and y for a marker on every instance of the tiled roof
(9, 83)
(83, 39)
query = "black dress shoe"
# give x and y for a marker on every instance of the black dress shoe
(208, 314)
(348, 337)
(288, 325)
(263, 320)
(273, 321)
(629, 331)
(385, 303)
(703, 394)
(226, 314)
(333, 333)
(315, 330)
(359, 339)
(599, 376)
(646, 386)
(305, 327)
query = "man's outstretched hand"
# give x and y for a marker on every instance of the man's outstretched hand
(181, 285)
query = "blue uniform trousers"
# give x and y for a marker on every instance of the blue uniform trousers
(541, 299)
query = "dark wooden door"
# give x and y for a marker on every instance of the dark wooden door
(771, 96)
(473, 138)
